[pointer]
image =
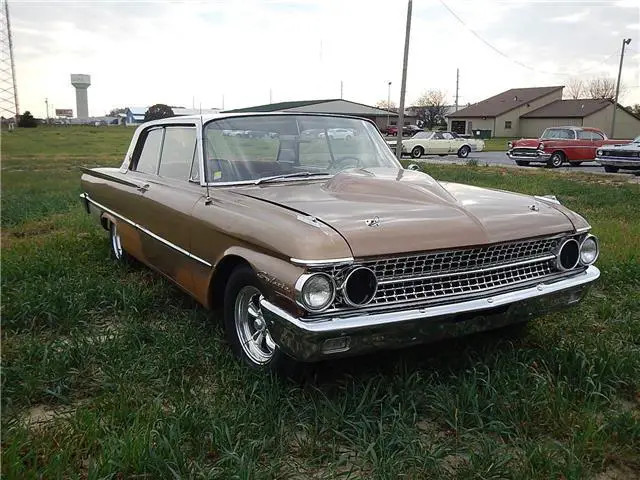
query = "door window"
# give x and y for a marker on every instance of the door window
(597, 136)
(584, 135)
(178, 152)
(150, 154)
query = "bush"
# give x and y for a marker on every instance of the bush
(158, 111)
(27, 121)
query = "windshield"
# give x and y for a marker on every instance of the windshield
(240, 149)
(559, 133)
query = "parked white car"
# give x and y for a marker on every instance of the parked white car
(438, 143)
(338, 134)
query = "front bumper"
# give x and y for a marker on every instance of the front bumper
(363, 332)
(529, 156)
(619, 162)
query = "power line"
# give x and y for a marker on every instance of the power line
(523, 65)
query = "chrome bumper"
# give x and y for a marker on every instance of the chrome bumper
(361, 333)
(619, 162)
(538, 156)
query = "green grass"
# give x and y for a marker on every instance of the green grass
(133, 378)
(496, 144)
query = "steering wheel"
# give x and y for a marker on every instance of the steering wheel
(337, 161)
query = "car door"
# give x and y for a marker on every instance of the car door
(583, 149)
(454, 144)
(167, 197)
(438, 144)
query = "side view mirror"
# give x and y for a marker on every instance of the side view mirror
(412, 166)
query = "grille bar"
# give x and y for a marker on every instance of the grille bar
(433, 263)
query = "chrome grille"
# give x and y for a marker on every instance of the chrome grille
(459, 283)
(458, 260)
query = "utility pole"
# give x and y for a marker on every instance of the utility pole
(46, 102)
(403, 86)
(223, 101)
(270, 96)
(457, 86)
(388, 105)
(625, 41)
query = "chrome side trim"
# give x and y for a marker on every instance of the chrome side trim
(336, 325)
(313, 263)
(146, 231)
(466, 272)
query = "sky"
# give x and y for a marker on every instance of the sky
(251, 52)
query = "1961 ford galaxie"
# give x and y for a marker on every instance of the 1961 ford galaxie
(315, 247)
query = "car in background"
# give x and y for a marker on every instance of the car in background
(558, 145)
(438, 143)
(407, 130)
(338, 133)
(615, 157)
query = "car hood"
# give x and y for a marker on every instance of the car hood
(384, 211)
(527, 142)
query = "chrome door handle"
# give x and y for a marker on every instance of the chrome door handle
(143, 188)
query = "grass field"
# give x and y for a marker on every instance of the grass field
(111, 372)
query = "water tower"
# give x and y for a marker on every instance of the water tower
(81, 82)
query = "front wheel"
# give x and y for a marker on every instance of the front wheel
(610, 169)
(245, 327)
(556, 160)
(417, 152)
(464, 151)
(522, 163)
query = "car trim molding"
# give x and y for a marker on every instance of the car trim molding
(328, 261)
(86, 198)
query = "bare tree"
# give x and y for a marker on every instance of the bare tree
(431, 108)
(387, 106)
(601, 88)
(575, 89)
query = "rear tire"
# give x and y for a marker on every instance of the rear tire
(556, 160)
(610, 169)
(522, 163)
(464, 151)
(245, 327)
(417, 152)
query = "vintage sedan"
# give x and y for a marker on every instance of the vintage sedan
(438, 143)
(615, 157)
(315, 248)
(558, 145)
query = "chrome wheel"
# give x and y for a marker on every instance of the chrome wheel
(116, 242)
(556, 160)
(251, 328)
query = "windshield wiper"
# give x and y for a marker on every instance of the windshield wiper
(289, 175)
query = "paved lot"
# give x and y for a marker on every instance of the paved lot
(500, 158)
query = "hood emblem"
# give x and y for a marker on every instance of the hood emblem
(372, 222)
(534, 208)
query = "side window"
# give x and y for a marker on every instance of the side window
(150, 154)
(178, 151)
(584, 135)
(597, 136)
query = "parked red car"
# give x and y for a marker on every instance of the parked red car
(558, 145)
(407, 130)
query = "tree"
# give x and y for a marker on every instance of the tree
(601, 88)
(431, 108)
(116, 111)
(387, 105)
(575, 89)
(158, 111)
(635, 109)
(27, 121)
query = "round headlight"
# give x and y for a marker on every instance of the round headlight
(360, 286)
(599, 153)
(510, 144)
(589, 250)
(568, 254)
(317, 291)
(541, 146)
